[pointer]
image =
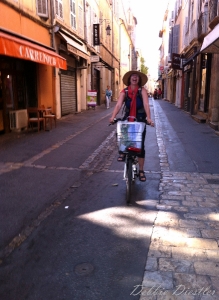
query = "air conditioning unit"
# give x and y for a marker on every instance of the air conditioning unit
(18, 119)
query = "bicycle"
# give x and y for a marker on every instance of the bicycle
(130, 148)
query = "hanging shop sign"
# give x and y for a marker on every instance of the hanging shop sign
(176, 61)
(96, 34)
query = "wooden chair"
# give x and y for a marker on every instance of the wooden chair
(34, 116)
(48, 115)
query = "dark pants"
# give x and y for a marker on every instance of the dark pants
(142, 154)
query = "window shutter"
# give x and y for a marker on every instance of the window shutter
(175, 39)
(42, 8)
(80, 21)
(92, 22)
(101, 30)
(170, 42)
(73, 14)
(184, 38)
(59, 9)
(186, 25)
(89, 31)
(172, 15)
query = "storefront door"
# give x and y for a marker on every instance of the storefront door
(205, 83)
(96, 84)
(7, 100)
(68, 92)
(17, 88)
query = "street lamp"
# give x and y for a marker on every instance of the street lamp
(108, 29)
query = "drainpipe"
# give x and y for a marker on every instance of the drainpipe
(52, 19)
(55, 104)
(120, 51)
(112, 72)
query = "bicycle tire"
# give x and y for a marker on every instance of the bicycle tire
(128, 180)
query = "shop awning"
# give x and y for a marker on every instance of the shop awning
(76, 47)
(17, 47)
(211, 41)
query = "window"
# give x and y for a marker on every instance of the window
(42, 8)
(73, 14)
(192, 11)
(59, 10)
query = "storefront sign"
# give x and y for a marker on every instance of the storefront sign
(96, 34)
(94, 58)
(91, 98)
(187, 67)
(37, 56)
(76, 51)
(16, 47)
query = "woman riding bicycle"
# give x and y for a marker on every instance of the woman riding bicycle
(137, 108)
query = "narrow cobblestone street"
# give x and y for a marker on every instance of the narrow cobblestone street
(163, 248)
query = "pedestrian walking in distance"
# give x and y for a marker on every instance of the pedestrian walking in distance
(108, 95)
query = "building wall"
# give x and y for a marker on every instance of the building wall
(214, 91)
(27, 24)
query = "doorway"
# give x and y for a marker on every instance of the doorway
(96, 84)
(18, 88)
(205, 82)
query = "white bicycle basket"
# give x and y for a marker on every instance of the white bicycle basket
(129, 134)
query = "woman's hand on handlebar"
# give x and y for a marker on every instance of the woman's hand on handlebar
(150, 122)
(112, 120)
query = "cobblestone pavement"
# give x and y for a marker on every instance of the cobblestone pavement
(183, 258)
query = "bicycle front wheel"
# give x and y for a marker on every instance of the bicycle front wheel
(128, 180)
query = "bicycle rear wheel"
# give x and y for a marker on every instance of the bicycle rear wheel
(128, 180)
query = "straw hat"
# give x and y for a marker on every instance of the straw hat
(127, 75)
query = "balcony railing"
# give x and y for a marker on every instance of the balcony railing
(203, 24)
(213, 9)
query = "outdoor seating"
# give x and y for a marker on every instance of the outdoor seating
(48, 115)
(34, 117)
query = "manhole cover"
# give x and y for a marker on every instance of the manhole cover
(213, 181)
(84, 269)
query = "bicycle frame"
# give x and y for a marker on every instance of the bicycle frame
(130, 170)
(131, 162)
(133, 157)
